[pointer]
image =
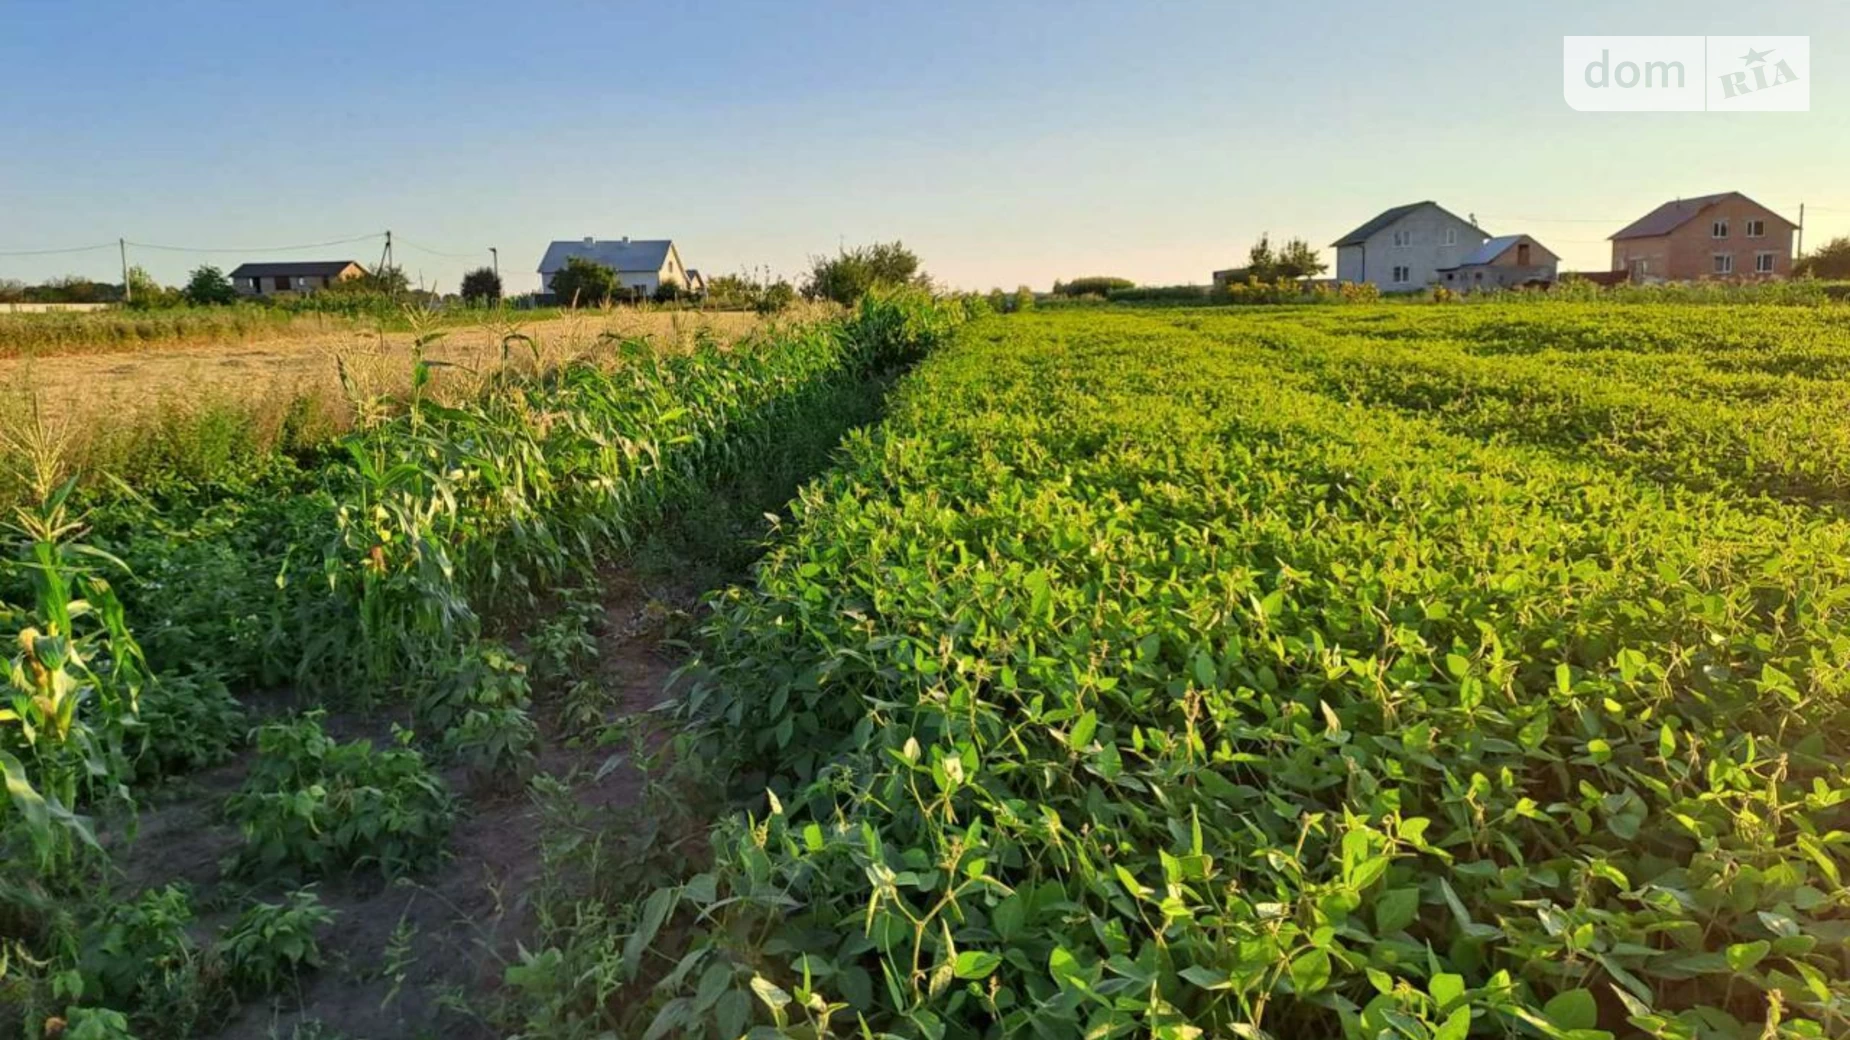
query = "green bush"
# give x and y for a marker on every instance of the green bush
(312, 806)
(273, 943)
(137, 957)
(186, 722)
(584, 282)
(853, 273)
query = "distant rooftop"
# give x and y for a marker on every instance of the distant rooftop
(294, 269)
(623, 254)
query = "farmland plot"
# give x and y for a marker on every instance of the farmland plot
(1421, 672)
(336, 673)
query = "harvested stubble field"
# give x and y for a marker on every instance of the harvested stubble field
(187, 406)
(1375, 671)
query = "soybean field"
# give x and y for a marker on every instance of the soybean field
(1398, 671)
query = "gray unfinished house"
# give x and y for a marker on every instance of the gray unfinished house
(1504, 262)
(1406, 248)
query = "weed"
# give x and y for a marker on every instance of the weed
(314, 806)
(271, 944)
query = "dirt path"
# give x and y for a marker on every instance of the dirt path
(417, 958)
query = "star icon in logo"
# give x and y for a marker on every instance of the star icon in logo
(1754, 57)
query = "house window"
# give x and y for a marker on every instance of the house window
(1763, 263)
(1402, 274)
(1756, 229)
(1451, 236)
(1719, 229)
(282, 283)
(1724, 263)
(1403, 238)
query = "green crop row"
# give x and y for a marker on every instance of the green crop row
(366, 570)
(1124, 682)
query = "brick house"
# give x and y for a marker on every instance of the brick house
(1715, 236)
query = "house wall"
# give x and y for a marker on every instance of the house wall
(1688, 252)
(636, 281)
(1349, 265)
(266, 284)
(1423, 256)
(1497, 275)
(672, 271)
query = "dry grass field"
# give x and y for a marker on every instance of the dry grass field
(161, 407)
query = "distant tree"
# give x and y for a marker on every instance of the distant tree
(851, 273)
(1024, 299)
(12, 290)
(1261, 261)
(147, 292)
(1829, 261)
(390, 280)
(481, 285)
(1092, 285)
(73, 288)
(776, 297)
(1299, 260)
(1296, 260)
(669, 292)
(208, 287)
(732, 290)
(584, 282)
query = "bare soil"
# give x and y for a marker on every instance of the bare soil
(465, 919)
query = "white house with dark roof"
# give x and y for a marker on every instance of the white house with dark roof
(1504, 262)
(642, 265)
(1405, 248)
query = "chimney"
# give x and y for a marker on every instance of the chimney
(626, 240)
(589, 241)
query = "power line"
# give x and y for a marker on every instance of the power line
(438, 252)
(50, 252)
(266, 249)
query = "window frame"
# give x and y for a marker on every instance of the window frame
(1721, 263)
(1718, 228)
(1756, 228)
(1772, 262)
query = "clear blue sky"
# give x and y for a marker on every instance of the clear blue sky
(1006, 142)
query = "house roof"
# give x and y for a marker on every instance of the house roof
(626, 254)
(1496, 247)
(294, 268)
(1676, 213)
(1389, 216)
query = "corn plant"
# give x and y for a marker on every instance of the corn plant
(74, 674)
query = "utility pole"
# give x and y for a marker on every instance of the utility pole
(385, 255)
(496, 253)
(128, 291)
(1801, 230)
